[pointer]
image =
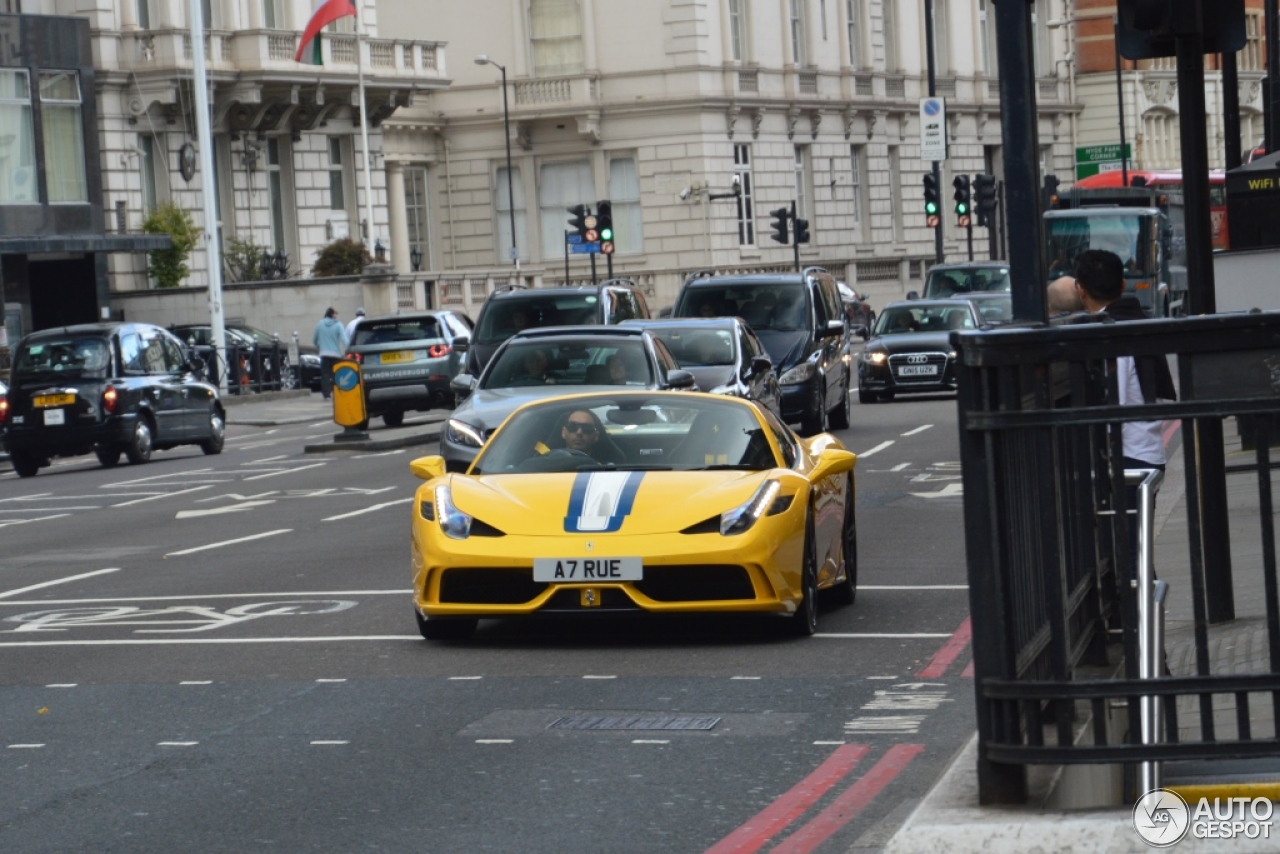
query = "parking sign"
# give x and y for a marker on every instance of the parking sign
(933, 129)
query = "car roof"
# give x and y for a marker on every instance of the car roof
(969, 265)
(406, 315)
(82, 329)
(578, 332)
(751, 279)
(681, 322)
(923, 303)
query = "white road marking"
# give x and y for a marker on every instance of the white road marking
(214, 511)
(907, 701)
(6, 594)
(197, 682)
(176, 743)
(913, 587)
(495, 741)
(230, 542)
(890, 724)
(72, 507)
(951, 490)
(9, 522)
(416, 638)
(199, 597)
(266, 460)
(330, 742)
(650, 741)
(383, 454)
(161, 495)
(155, 477)
(918, 430)
(899, 466)
(746, 678)
(320, 424)
(368, 509)
(884, 635)
(235, 496)
(61, 685)
(331, 680)
(35, 497)
(24, 746)
(464, 678)
(285, 471)
(588, 676)
(829, 742)
(877, 449)
(882, 677)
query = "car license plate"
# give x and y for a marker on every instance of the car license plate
(55, 416)
(563, 569)
(918, 371)
(397, 356)
(43, 400)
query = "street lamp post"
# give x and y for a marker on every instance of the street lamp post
(483, 59)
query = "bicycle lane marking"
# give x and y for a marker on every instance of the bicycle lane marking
(187, 618)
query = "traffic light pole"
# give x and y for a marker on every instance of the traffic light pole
(970, 237)
(594, 279)
(938, 254)
(795, 244)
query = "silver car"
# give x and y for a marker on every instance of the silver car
(407, 361)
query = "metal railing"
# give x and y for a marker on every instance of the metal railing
(251, 369)
(1151, 594)
(1052, 582)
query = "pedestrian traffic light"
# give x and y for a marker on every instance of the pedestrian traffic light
(779, 224)
(930, 194)
(578, 224)
(802, 231)
(984, 191)
(962, 195)
(604, 225)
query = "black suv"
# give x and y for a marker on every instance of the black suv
(801, 322)
(514, 309)
(110, 388)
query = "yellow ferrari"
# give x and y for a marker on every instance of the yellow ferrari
(626, 502)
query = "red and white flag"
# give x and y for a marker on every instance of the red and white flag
(327, 11)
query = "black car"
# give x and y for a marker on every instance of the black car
(407, 361)
(857, 309)
(801, 322)
(254, 353)
(910, 348)
(509, 310)
(110, 388)
(723, 354)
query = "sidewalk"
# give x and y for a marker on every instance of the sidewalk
(275, 409)
(949, 818)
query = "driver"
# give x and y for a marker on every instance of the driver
(581, 432)
(535, 366)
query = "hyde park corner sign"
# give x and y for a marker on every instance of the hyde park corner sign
(933, 129)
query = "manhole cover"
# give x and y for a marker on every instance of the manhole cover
(633, 722)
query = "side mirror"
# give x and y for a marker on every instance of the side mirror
(833, 329)
(462, 384)
(832, 461)
(759, 365)
(427, 468)
(913, 295)
(461, 343)
(680, 379)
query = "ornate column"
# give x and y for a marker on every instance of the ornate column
(396, 214)
(255, 14)
(128, 15)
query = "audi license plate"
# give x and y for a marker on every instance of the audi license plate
(44, 400)
(918, 371)
(564, 569)
(397, 356)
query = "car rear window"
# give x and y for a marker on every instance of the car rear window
(945, 283)
(396, 330)
(87, 356)
(693, 346)
(503, 318)
(767, 305)
(592, 361)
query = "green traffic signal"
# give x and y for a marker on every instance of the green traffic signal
(931, 208)
(606, 234)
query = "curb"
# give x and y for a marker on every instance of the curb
(262, 396)
(425, 437)
(275, 422)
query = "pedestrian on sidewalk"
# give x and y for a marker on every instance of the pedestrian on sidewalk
(331, 340)
(351, 325)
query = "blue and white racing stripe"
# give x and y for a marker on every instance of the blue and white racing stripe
(601, 500)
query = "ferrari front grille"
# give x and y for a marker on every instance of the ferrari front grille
(489, 586)
(696, 583)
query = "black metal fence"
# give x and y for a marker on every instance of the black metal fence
(250, 369)
(1051, 578)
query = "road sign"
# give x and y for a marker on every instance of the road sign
(963, 221)
(1093, 159)
(931, 220)
(573, 238)
(585, 248)
(933, 129)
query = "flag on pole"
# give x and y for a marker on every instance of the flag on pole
(327, 11)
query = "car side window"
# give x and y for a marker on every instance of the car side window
(174, 358)
(830, 299)
(747, 347)
(666, 361)
(642, 304)
(456, 326)
(131, 353)
(621, 307)
(153, 357)
(790, 453)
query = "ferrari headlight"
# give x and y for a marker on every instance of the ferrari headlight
(875, 357)
(800, 373)
(455, 524)
(462, 433)
(740, 519)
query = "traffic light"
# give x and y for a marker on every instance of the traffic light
(962, 195)
(802, 231)
(1051, 191)
(930, 195)
(984, 190)
(579, 222)
(604, 225)
(779, 224)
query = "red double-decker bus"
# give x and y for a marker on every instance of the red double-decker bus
(1172, 181)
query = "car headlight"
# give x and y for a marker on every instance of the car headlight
(740, 519)
(800, 373)
(455, 524)
(875, 357)
(462, 433)
(952, 354)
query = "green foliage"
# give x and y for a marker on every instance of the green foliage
(168, 267)
(345, 257)
(242, 259)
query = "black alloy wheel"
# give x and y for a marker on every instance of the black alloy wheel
(394, 418)
(815, 420)
(217, 434)
(865, 396)
(804, 622)
(446, 628)
(289, 378)
(108, 455)
(845, 591)
(138, 449)
(26, 465)
(840, 416)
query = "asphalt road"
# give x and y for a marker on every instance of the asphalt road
(218, 653)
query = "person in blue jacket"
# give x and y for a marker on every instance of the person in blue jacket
(331, 340)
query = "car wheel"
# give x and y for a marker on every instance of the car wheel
(804, 622)
(289, 378)
(846, 590)
(867, 396)
(815, 420)
(886, 395)
(138, 450)
(108, 455)
(840, 417)
(446, 628)
(217, 434)
(25, 465)
(394, 418)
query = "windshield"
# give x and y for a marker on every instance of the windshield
(586, 361)
(945, 283)
(994, 309)
(784, 308)
(1067, 237)
(396, 330)
(897, 320)
(257, 335)
(671, 432)
(504, 318)
(695, 347)
(86, 356)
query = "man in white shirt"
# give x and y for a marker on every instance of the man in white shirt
(351, 324)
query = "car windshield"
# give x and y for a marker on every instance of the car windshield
(259, 337)
(579, 361)
(781, 307)
(994, 309)
(671, 432)
(925, 318)
(945, 283)
(73, 356)
(505, 317)
(1067, 237)
(696, 347)
(396, 330)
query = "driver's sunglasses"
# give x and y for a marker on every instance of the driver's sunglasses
(581, 427)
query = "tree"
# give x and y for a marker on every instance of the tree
(345, 257)
(168, 267)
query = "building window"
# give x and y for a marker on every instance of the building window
(415, 202)
(64, 167)
(889, 23)
(804, 181)
(276, 190)
(144, 13)
(737, 29)
(561, 186)
(273, 15)
(624, 192)
(1252, 57)
(853, 29)
(151, 154)
(337, 176)
(17, 144)
(986, 37)
(1042, 51)
(895, 187)
(746, 200)
(941, 38)
(822, 13)
(503, 210)
(857, 171)
(796, 17)
(555, 28)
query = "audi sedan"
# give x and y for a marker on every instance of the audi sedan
(910, 348)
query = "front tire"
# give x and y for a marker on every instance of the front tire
(846, 591)
(25, 465)
(815, 420)
(138, 450)
(393, 418)
(804, 622)
(217, 434)
(446, 628)
(840, 417)
(867, 396)
(289, 378)
(108, 455)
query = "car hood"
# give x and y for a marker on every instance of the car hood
(711, 376)
(488, 408)
(911, 342)
(636, 503)
(785, 348)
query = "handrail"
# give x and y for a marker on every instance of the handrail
(1150, 622)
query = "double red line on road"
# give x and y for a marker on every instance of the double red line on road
(950, 651)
